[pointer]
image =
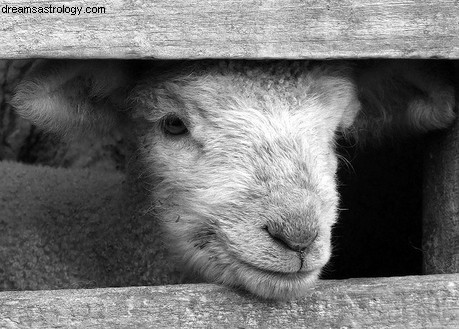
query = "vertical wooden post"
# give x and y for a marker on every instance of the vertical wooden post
(441, 200)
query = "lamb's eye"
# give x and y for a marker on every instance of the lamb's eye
(173, 125)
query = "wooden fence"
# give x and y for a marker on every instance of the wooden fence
(255, 29)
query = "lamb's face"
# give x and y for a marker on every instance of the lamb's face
(243, 168)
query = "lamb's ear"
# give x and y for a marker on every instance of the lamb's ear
(403, 97)
(60, 95)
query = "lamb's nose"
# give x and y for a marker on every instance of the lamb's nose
(296, 242)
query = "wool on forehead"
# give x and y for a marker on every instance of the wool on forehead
(239, 84)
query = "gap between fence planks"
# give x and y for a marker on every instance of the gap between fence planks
(430, 301)
(234, 29)
(441, 199)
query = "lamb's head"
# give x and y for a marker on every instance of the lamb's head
(239, 156)
(243, 166)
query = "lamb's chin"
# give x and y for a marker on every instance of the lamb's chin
(265, 284)
(273, 285)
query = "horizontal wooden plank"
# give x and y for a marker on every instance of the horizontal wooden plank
(230, 29)
(398, 302)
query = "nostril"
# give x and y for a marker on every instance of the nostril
(297, 243)
(276, 237)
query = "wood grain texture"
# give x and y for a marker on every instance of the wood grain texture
(441, 200)
(234, 29)
(398, 302)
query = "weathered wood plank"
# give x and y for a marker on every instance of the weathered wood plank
(441, 200)
(398, 302)
(234, 29)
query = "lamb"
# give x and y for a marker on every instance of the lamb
(236, 159)
(79, 229)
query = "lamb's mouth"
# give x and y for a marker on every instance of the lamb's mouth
(269, 284)
(294, 264)
(230, 269)
(281, 274)
(275, 285)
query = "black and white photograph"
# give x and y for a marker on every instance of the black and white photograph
(229, 164)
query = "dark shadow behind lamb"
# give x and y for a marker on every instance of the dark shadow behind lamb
(233, 164)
